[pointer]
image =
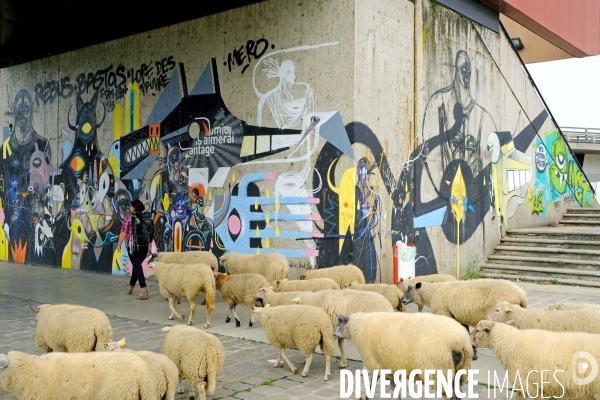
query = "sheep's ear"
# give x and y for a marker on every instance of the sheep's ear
(410, 277)
(418, 285)
(509, 322)
(277, 283)
(3, 361)
(34, 309)
(401, 280)
(343, 318)
(485, 329)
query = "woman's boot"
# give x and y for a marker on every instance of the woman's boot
(130, 289)
(143, 293)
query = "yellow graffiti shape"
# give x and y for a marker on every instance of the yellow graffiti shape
(118, 121)
(114, 164)
(346, 194)
(458, 192)
(75, 245)
(166, 202)
(3, 246)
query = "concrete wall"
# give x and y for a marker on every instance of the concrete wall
(317, 129)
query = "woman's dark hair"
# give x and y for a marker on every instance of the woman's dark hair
(138, 205)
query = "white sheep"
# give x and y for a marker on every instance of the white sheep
(573, 306)
(272, 266)
(302, 327)
(188, 257)
(311, 285)
(342, 274)
(165, 375)
(199, 357)
(83, 376)
(390, 292)
(532, 350)
(334, 302)
(189, 280)
(403, 284)
(581, 320)
(407, 341)
(239, 289)
(468, 302)
(71, 328)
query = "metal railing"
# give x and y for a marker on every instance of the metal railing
(581, 135)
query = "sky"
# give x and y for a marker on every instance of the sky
(571, 89)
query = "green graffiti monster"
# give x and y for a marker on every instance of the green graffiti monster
(559, 168)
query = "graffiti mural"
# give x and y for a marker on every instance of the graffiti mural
(274, 172)
(557, 175)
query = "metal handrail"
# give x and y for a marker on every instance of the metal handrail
(583, 135)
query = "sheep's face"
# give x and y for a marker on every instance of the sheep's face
(341, 329)
(256, 315)
(502, 312)
(480, 337)
(3, 361)
(151, 274)
(260, 296)
(223, 260)
(410, 296)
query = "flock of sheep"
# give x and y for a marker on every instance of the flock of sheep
(325, 304)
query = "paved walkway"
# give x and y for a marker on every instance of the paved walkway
(248, 372)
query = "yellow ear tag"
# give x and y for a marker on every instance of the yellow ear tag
(507, 310)
(271, 287)
(268, 305)
(122, 342)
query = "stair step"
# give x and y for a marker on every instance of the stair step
(581, 217)
(530, 278)
(578, 222)
(558, 243)
(550, 262)
(583, 210)
(547, 272)
(559, 253)
(587, 233)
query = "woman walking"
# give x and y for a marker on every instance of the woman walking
(137, 252)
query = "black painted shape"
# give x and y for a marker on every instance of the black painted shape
(524, 138)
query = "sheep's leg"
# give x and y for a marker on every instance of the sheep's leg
(237, 320)
(191, 394)
(192, 309)
(172, 304)
(180, 388)
(343, 361)
(327, 367)
(228, 315)
(201, 391)
(287, 360)
(474, 348)
(309, 359)
(208, 314)
(278, 360)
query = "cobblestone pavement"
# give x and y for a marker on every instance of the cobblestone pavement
(247, 373)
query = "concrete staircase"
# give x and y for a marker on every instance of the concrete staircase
(566, 254)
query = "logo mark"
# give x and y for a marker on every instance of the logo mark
(581, 367)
